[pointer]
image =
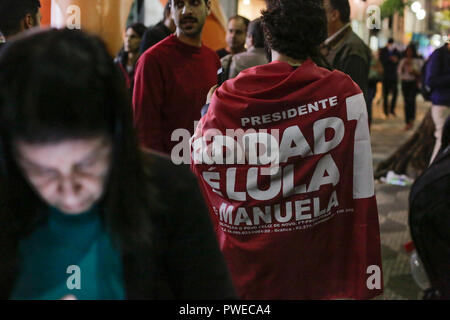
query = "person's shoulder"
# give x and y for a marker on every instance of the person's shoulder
(156, 28)
(438, 52)
(222, 53)
(342, 82)
(226, 59)
(207, 50)
(161, 48)
(242, 56)
(357, 46)
(248, 58)
(210, 54)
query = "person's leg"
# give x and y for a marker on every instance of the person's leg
(394, 96)
(405, 100)
(409, 107)
(385, 97)
(414, 92)
(439, 114)
(371, 91)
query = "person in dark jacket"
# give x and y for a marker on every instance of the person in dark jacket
(437, 78)
(160, 31)
(255, 55)
(84, 212)
(129, 54)
(343, 49)
(390, 58)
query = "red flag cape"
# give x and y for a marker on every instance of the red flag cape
(309, 229)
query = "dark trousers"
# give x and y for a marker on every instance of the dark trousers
(388, 87)
(409, 91)
(371, 92)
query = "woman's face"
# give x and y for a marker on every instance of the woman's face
(132, 41)
(68, 175)
(409, 53)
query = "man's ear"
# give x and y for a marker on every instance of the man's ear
(335, 15)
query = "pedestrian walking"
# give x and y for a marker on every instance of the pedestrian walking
(390, 57)
(409, 72)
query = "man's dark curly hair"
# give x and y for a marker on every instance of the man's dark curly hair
(295, 28)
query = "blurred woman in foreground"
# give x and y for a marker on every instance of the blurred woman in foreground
(84, 211)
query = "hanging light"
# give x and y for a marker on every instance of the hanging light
(421, 14)
(436, 40)
(247, 2)
(416, 6)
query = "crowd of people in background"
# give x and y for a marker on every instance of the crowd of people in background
(277, 74)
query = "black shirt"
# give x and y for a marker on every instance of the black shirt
(390, 67)
(154, 35)
(222, 53)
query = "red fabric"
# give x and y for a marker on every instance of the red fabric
(171, 84)
(306, 256)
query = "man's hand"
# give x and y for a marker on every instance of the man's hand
(210, 94)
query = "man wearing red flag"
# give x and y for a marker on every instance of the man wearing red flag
(284, 159)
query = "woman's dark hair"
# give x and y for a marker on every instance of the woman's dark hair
(255, 30)
(57, 85)
(295, 28)
(138, 27)
(411, 47)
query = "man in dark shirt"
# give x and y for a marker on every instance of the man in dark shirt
(158, 32)
(343, 49)
(389, 57)
(236, 35)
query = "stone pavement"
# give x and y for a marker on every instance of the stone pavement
(387, 135)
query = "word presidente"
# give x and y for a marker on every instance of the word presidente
(291, 113)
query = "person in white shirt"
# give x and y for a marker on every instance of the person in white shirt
(409, 71)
